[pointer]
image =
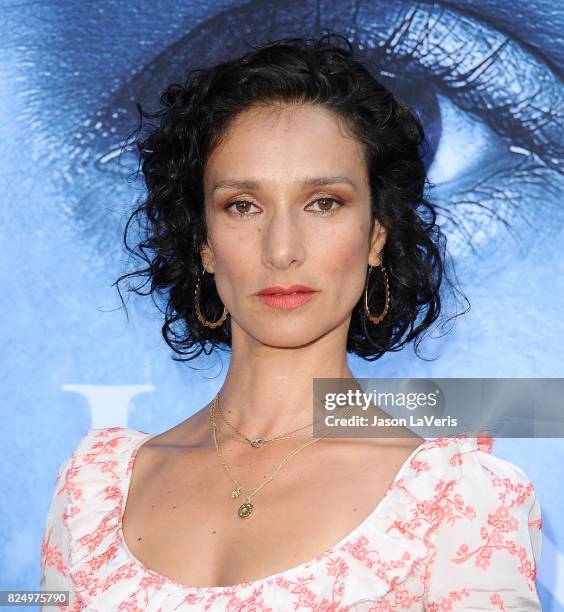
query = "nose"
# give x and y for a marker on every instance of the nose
(282, 239)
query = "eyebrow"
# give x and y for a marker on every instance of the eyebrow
(307, 182)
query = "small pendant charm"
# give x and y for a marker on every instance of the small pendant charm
(257, 442)
(235, 493)
(245, 509)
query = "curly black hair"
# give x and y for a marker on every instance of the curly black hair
(192, 120)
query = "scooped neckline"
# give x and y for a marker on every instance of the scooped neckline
(292, 571)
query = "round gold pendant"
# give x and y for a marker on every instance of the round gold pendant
(245, 510)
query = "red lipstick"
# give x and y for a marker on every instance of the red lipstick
(286, 297)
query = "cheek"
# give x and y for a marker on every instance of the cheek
(345, 263)
(346, 249)
(235, 264)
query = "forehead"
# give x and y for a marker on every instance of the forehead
(285, 141)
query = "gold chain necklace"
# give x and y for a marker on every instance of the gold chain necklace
(258, 442)
(247, 507)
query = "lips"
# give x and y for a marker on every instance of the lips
(286, 297)
(280, 290)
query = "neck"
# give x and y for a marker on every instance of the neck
(268, 391)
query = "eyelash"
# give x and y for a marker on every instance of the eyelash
(324, 213)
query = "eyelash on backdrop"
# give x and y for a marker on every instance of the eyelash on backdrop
(322, 213)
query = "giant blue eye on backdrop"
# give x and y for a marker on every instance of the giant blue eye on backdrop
(485, 78)
(491, 108)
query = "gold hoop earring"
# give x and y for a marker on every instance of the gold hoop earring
(373, 318)
(199, 313)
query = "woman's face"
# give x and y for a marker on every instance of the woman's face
(280, 231)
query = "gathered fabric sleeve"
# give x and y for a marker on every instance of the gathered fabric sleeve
(487, 548)
(55, 545)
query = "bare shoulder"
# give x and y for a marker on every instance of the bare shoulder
(190, 434)
(403, 441)
(395, 442)
(376, 450)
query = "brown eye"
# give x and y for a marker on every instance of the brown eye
(326, 207)
(242, 207)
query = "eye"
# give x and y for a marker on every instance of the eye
(327, 210)
(241, 208)
(491, 108)
(492, 112)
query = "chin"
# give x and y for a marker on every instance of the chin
(280, 340)
(293, 336)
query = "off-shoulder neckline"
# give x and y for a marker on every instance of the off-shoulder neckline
(378, 510)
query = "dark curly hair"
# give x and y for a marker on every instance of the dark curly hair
(192, 120)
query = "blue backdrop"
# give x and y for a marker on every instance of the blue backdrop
(483, 75)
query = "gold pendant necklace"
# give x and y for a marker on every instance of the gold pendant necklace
(246, 508)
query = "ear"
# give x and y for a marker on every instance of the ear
(208, 260)
(377, 242)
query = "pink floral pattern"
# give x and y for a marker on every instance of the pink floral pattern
(458, 529)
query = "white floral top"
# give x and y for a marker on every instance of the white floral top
(458, 529)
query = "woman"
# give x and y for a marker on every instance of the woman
(285, 219)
